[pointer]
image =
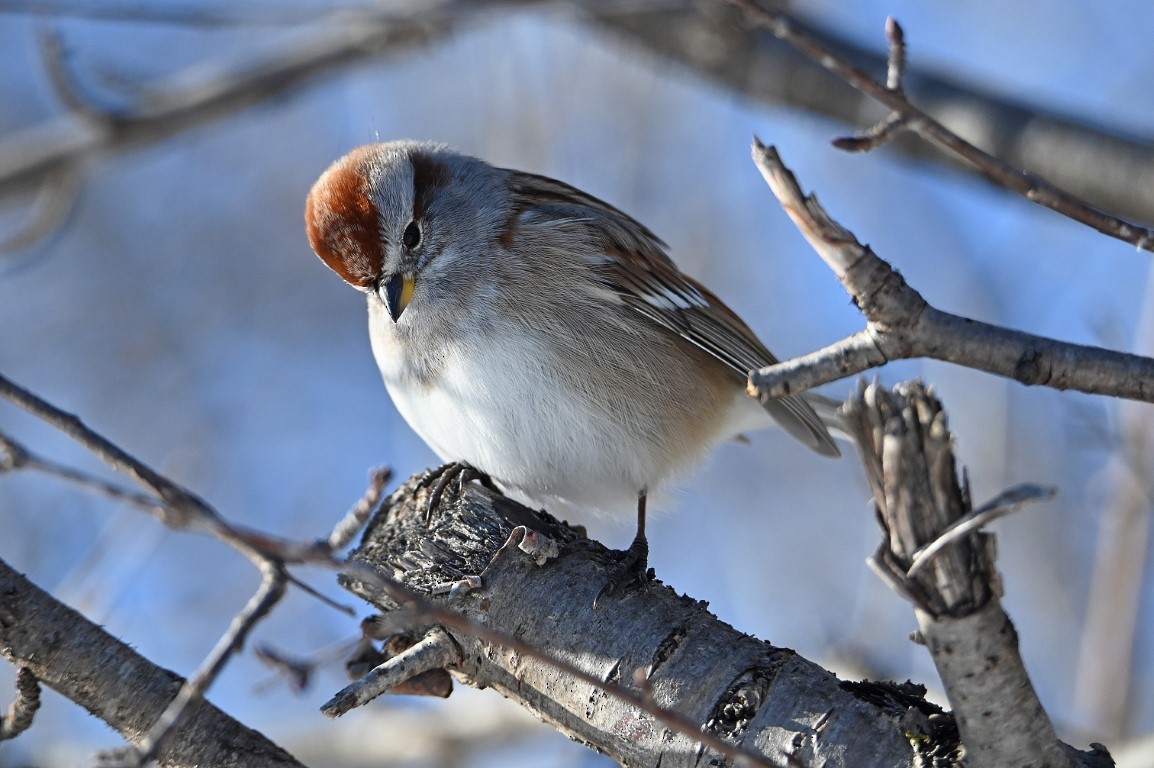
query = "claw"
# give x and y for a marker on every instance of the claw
(446, 474)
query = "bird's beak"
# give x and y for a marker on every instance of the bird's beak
(397, 292)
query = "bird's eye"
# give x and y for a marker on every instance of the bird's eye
(412, 236)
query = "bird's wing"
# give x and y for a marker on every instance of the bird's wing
(637, 268)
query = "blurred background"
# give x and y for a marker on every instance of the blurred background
(175, 305)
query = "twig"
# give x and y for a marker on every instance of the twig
(177, 507)
(181, 508)
(23, 708)
(896, 64)
(272, 589)
(435, 651)
(65, 83)
(312, 591)
(16, 456)
(354, 521)
(298, 672)
(715, 41)
(901, 324)
(1003, 504)
(51, 207)
(894, 123)
(920, 122)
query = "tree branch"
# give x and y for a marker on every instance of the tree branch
(665, 648)
(908, 452)
(81, 661)
(67, 146)
(1027, 184)
(23, 709)
(901, 324)
(714, 41)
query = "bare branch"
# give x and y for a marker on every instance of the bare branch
(181, 507)
(737, 690)
(51, 207)
(715, 41)
(272, 589)
(1005, 503)
(896, 64)
(354, 521)
(903, 325)
(894, 123)
(115, 683)
(67, 146)
(872, 138)
(23, 708)
(436, 651)
(16, 456)
(917, 120)
(908, 452)
(66, 85)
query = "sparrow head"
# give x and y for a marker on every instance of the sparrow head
(405, 221)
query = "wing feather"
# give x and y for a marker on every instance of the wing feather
(638, 269)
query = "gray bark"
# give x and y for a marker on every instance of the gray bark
(768, 700)
(84, 663)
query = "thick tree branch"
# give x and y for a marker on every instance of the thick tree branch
(666, 648)
(903, 325)
(272, 555)
(908, 452)
(81, 661)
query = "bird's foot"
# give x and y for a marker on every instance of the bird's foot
(441, 477)
(631, 569)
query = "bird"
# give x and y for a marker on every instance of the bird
(530, 331)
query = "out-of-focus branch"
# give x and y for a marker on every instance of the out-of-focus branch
(192, 15)
(1107, 167)
(80, 660)
(178, 508)
(69, 145)
(1112, 630)
(707, 36)
(907, 448)
(901, 324)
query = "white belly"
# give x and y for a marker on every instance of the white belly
(507, 409)
(504, 409)
(527, 430)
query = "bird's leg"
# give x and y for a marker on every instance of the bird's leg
(446, 474)
(634, 564)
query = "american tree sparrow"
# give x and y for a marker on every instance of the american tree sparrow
(538, 334)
